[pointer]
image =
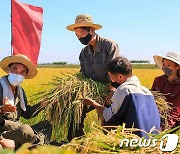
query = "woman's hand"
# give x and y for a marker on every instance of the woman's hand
(6, 107)
(7, 143)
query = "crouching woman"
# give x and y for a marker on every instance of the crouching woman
(169, 85)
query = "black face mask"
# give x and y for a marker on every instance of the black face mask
(115, 84)
(167, 71)
(85, 40)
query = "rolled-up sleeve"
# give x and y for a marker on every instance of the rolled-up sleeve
(107, 113)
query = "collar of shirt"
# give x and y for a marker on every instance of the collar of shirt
(177, 81)
(97, 47)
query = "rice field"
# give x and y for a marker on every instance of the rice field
(45, 75)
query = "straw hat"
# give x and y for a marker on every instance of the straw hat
(172, 56)
(83, 21)
(19, 58)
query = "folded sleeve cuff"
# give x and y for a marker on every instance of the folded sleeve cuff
(107, 114)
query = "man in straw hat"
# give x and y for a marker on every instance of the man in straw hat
(98, 51)
(96, 54)
(169, 84)
(13, 103)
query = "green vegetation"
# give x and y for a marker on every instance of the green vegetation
(59, 63)
(140, 61)
(57, 66)
(145, 66)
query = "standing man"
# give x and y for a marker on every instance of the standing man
(94, 57)
(13, 104)
(98, 51)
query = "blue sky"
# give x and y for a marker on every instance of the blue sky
(142, 28)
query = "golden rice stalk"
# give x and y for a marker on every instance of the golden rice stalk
(164, 107)
(98, 142)
(63, 101)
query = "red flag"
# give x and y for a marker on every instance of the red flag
(26, 30)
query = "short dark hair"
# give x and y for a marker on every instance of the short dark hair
(120, 65)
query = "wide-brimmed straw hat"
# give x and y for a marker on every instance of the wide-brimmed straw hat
(83, 21)
(172, 56)
(19, 58)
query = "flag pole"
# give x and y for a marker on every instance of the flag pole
(11, 30)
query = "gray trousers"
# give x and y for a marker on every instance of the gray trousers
(39, 133)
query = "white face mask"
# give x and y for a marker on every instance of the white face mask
(15, 79)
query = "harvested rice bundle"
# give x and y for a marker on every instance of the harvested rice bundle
(66, 94)
(97, 142)
(163, 107)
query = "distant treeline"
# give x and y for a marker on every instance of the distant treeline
(57, 65)
(144, 66)
(65, 63)
(140, 61)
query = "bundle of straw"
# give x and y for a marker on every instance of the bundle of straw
(97, 142)
(63, 100)
(164, 107)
